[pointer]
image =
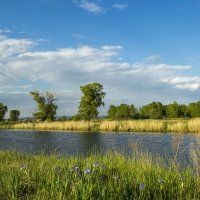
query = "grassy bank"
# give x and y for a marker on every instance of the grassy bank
(110, 176)
(180, 125)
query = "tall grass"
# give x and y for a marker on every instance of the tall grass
(68, 126)
(179, 125)
(133, 126)
(110, 176)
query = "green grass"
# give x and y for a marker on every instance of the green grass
(110, 176)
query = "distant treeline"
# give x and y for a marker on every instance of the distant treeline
(154, 110)
(92, 99)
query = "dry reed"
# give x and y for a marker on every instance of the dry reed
(182, 126)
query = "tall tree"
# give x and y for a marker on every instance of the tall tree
(91, 100)
(14, 115)
(46, 103)
(3, 110)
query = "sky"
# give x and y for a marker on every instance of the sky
(139, 50)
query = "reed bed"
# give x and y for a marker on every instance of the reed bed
(110, 176)
(178, 127)
(181, 126)
(194, 125)
(67, 126)
(133, 126)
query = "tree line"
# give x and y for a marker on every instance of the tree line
(92, 99)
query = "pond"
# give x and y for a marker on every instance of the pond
(82, 143)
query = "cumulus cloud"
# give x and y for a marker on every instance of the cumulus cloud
(24, 68)
(188, 83)
(90, 6)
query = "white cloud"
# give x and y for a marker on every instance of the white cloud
(120, 6)
(24, 68)
(90, 6)
(152, 58)
(184, 83)
(10, 47)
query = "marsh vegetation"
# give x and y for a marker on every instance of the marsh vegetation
(97, 176)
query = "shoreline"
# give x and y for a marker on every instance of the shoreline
(184, 126)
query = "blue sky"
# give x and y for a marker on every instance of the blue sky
(139, 50)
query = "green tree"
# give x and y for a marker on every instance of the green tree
(184, 110)
(194, 109)
(173, 110)
(3, 110)
(122, 112)
(46, 103)
(91, 100)
(14, 115)
(153, 110)
(112, 112)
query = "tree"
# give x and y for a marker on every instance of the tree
(14, 115)
(173, 110)
(46, 103)
(3, 110)
(112, 112)
(194, 109)
(91, 100)
(153, 110)
(122, 112)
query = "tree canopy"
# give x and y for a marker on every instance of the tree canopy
(14, 115)
(153, 110)
(3, 110)
(91, 100)
(122, 112)
(46, 103)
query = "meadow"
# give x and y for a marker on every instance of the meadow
(165, 125)
(96, 176)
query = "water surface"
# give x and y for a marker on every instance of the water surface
(78, 143)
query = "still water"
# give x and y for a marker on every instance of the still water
(77, 143)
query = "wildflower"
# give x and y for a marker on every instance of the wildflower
(97, 164)
(88, 171)
(75, 169)
(141, 186)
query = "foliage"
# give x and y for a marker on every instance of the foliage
(153, 110)
(91, 100)
(14, 115)
(110, 176)
(174, 110)
(122, 112)
(46, 103)
(3, 110)
(194, 109)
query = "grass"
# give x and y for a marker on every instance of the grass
(110, 176)
(176, 125)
